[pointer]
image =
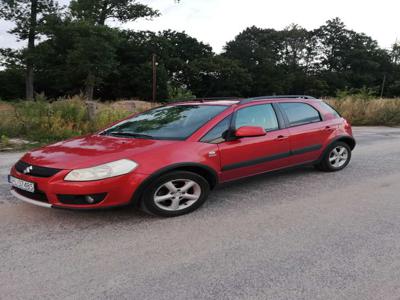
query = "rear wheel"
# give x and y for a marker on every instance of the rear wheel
(174, 194)
(336, 158)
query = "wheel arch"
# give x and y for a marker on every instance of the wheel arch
(349, 140)
(205, 171)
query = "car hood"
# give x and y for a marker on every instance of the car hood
(88, 151)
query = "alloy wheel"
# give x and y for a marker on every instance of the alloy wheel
(177, 194)
(338, 156)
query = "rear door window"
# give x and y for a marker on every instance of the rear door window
(330, 109)
(300, 113)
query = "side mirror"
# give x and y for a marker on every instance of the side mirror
(250, 131)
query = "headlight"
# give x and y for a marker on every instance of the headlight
(112, 169)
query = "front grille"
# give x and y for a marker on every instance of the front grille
(35, 171)
(37, 195)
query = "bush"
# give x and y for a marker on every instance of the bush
(178, 93)
(363, 94)
(106, 116)
(4, 140)
(45, 122)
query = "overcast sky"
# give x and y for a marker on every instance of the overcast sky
(217, 21)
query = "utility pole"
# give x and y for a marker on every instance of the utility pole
(383, 84)
(154, 78)
(31, 47)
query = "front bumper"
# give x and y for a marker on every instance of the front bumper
(30, 201)
(119, 190)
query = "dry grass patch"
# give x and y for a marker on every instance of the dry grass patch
(47, 122)
(369, 111)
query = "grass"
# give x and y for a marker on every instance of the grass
(43, 122)
(366, 111)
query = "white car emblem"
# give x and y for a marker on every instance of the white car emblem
(28, 170)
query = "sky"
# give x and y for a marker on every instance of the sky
(216, 22)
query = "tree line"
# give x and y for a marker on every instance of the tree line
(72, 50)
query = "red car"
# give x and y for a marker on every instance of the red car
(167, 160)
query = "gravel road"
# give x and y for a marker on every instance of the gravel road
(298, 234)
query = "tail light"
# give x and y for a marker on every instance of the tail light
(347, 126)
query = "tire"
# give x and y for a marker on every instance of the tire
(332, 160)
(175, 194)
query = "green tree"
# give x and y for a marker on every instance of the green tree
(12, 83)
(395, 53)
(96, 13)
(217, 76)
(79, 53)
(297, 48)
(175, 51)
(259, 51)
(393, 84)
(95, 63)
(348, 59)
(279, 62)
(76, 54)
(28, 16)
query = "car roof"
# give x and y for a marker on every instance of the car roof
(241, 101)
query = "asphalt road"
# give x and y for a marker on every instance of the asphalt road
(299, 234)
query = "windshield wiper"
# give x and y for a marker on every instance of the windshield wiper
(130, 134)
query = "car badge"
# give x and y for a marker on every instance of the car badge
(28, 170)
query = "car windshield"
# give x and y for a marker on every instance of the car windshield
(166, 123)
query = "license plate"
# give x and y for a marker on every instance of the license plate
(22, 184)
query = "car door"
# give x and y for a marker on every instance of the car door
(241, 157)
(307, 131)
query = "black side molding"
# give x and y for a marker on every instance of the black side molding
(306, 149)
(257, 161)
(260, 160)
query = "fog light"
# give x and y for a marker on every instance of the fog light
(82, 199)
(90, 199)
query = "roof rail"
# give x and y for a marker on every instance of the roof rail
(206, 99)
(218, 99)
(276, 97)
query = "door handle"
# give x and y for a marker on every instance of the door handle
(281, 137)
(328, 128)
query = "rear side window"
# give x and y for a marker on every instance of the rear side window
(300, 113)
(330, 109)
(217, 133)
(258, 115)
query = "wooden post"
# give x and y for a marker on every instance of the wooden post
(154, 78)
(383, 85)
(31, 47)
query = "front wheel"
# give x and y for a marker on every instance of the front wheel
(174, 194)
(336, 158)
